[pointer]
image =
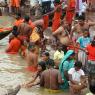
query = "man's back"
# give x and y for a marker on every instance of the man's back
(24, 29)
(51, 79)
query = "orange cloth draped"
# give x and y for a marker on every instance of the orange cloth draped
(15, 3)
(1, 30)
(56, 20)
(70, 14)
(5, 29)
(32, 25)
(31, 68)
(46, 21)
(18, 22)
(14, 46)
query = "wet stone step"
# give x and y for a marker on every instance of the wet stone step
(9, 91)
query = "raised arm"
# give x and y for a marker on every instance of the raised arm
(91, 23)
(58, 31)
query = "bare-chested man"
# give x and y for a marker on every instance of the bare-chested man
(24, 29)
(32, 58)
(51, 79)
(79, 28)
(62, 33)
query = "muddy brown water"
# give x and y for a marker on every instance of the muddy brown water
(13, 71)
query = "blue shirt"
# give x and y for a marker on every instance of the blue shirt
(83, 41)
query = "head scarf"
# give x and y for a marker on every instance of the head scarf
(67, 55)
(65, 84)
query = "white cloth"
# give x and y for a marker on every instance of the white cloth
(82, 57)
(2, 1)
(34, 2)
(89, 94)
(45, 0)
(76, 75)
(81, 7)
(58, 55)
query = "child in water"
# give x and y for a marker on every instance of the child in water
(82, 42)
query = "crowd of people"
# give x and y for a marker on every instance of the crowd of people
(74, 57)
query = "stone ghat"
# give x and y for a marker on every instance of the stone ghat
(9, 91)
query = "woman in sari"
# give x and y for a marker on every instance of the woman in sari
(66, 64)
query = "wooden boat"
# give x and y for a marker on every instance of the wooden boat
(6, 24)
(4, 33)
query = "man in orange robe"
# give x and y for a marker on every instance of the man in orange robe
(19, 20)
(70, 11)
(57, 17)
(46, 21)
(15, 4)
(14, 46)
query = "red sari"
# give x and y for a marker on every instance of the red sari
(70, 14)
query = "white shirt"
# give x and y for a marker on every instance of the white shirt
(58, 55)
(45, 0)
(34, 2)
(76, 75)
(89, 94)
(82, 6)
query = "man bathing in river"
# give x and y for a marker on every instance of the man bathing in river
(51, 78)
(24, 29)
(32, 58)
(14, 42)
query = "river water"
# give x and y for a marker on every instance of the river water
(13, 72)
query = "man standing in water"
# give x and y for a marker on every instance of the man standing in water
(15, 5)
(51, 78)
(32, 58)
(24, 29)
